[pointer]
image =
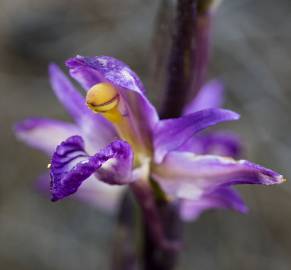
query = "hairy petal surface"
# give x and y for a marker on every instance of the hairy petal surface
(221, 198)
(215, 143)
(71, 165)
(89, 71)
(189, 176)
(97, 131)
(171, 134)
(44, 134)
(210, 96)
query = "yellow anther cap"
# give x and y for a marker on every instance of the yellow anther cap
(102, 97)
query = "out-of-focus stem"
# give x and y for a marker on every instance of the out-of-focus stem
(185, 74)
(179, 64)
(189, 54)
(202, 36)
(145, 198)
(162, 228)
(124, 246)
(156, 258)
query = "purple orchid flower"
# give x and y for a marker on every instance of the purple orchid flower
(125, 142)
(46, 134)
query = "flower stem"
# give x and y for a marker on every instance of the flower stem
(145, 198)
(124, 255)
(161, 229)
(189, 54)
(185, 74)
(155, 257)
(202, 33)
(179, 64)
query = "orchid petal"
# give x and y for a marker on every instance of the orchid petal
(171, 134)
(100, 195)
(44, 134)
(210, 96)
(89, 71)
(189, 176)
(92, 70)
(67, 94)
(215, 143)
(92, 192)
(90, 123)
(71, 165)
(221, 198)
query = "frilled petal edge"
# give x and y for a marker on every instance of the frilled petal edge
(71, 165)
(171, 134)
(93, 192)
(189, 176)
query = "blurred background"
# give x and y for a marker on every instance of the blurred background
(251, 53)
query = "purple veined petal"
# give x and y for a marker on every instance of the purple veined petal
(89, 71)
(92, 192)
(209, 96)
(171, 134)
(189, 176)
(44, 134)
(221, 198)
(71, 165)
(97, 131)
(215, 143)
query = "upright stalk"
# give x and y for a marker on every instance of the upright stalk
(179, 67)
(164, 258)
(186, 70)
(162, 228)
(202, 35)
(125, 255)
(189, 54)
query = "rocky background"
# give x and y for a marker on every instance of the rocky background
(251, 54)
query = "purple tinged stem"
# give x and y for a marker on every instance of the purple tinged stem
(178, 83)
(202, 29)
(189, 55)
(179, 65)
(161, 242)
(164, 259)
(125, 255)
(146, 199)
(187, 65)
